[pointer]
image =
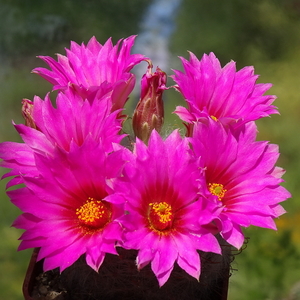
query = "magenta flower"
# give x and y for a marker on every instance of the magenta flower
(240, 173)
(65, 208)
(223, 94)
(94, 67)
(72, 121)
(164, 199)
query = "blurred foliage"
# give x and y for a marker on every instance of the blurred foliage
(238, 29)
(37, 26)
(265, 269)
(262, 33)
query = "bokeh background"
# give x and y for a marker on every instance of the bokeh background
(263, 33)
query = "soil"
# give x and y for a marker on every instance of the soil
(48, 286)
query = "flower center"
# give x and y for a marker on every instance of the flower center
(160, 215)
(217, 189)
(94, 213)
(214, 118)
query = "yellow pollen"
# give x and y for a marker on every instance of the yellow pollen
(214, 118)
(217, 189)
(160, 216)
(94, 213)
(163, 211)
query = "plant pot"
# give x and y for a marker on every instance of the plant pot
(118, 278)
(37, 283)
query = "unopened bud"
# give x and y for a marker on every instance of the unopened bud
(27, 110)
(149, 112)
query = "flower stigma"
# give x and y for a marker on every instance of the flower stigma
(217, 189)
(94, 213)
(160, 215)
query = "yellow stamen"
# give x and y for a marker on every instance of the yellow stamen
(94, 213)
(217, 189)
(160, 215)
(214, 118)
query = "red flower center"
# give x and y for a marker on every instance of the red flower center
(217, 189)
(160, 216)
(94, 213)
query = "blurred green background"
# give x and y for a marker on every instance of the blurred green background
(263, 33)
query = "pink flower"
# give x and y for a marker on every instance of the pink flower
(164, 199)
(65, 208)
(72, 121)
(93, 67)
(223, 94)
(240, 173)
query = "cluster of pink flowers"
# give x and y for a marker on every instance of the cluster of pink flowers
(82, 191)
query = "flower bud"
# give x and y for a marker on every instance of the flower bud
(27, 110)
(149, 112)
